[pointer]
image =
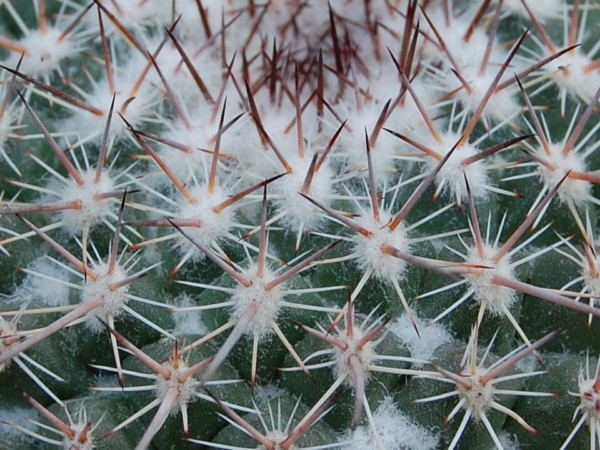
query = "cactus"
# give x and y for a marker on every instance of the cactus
(299, 225)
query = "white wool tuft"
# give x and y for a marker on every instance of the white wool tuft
(508, 441)
(138, 14)
(6, 122)
(481, 280)
(186, 387)
(112, 299)
(7, 328)
(92, 210)
(266, 303)
(395, 431)
(184, 164)
(23, 417)
(45, 52)
(541, 10)
(297, 210)
(369, 248)
(188, 322)
(82, 433)
(570, 72)
(501, 106)
(452, 175)
(577, 191)
(135, 107)
(256, 162)
(45, 290)
(423, 346)
(214, 225)
(453, 32)
(366, 356)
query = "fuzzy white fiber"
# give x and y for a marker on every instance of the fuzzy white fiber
(422, 347)
(541, 10)
(112, 300)
(508, 441)
(188, 322)
(17, 416)
(577, 191)
(46, 290)
(370, 248)
(395, 430)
